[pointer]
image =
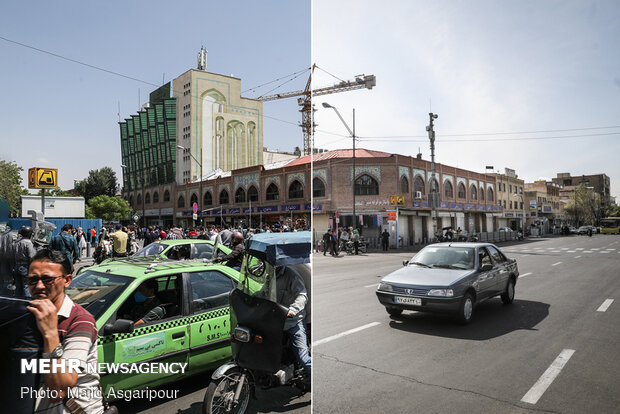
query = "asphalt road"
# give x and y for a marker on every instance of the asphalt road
(555, 349)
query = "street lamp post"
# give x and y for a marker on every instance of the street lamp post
(326, 105)
(200, 184)
(142, 194)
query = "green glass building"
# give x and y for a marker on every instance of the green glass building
(148, 145)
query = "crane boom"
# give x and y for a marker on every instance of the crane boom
(360, 82)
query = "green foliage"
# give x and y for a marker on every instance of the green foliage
(10, 186)
(98, 182)
(584, 206)
(108, 208)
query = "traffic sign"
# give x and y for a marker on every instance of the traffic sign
(195, 208)
(397, 200)
(42, 177)
(195, 216)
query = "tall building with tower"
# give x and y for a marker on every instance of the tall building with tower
(197, 125)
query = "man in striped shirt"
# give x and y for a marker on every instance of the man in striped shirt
(69, 333)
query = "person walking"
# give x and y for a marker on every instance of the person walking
(66, 243)
(327, 241)
(119, 240)
(356, 241)
(23, 251)
(385, 240)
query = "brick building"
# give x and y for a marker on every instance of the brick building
(468, 198)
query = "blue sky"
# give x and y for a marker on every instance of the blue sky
(55, 113)
(484, 67)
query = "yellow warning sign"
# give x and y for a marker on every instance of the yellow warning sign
(42, 177)
(397, 200)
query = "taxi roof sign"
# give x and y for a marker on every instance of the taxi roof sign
(42, 177)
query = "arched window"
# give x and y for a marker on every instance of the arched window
(318, 188)
(166, 195)
(181, 202)
(473, 193)
(240, 195)
(147, 198)
(434, 186)
(295, 190)
(418, 185)
(366, 185)
(481, 194)
(131, 201)
(193, 199)
(139, 199)
(223, 197)
(404, 185)
(252, 193)
(208, 199)
(272, 192)
(448, 191)
(461, 190)
(155, 197)
(490, 194)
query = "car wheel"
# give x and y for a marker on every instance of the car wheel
(509, 294)
(394, 311)
(466, 311)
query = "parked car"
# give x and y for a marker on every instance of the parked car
(195, 328)
(450, 278)
(585, 229)
(572, 230)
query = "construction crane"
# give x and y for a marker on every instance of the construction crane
(305, 100)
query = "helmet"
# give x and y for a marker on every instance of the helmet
(237, 237)
(25, 232)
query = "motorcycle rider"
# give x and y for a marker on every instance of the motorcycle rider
(23, 253)
(235, 257)
(292, 294)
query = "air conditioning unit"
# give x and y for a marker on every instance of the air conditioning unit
(418, 194)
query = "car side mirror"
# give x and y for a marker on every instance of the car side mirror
(119, 326)
(405, 262)
(486, 267)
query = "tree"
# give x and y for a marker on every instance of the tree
(98, 182)
(584, 206)
(108, 208)
(10, 186)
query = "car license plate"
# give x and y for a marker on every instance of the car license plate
(408, 301)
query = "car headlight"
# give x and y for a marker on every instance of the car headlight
(385, 287)
(441, 292)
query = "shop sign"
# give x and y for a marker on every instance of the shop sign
(532, 204)
(319, 207)
(444, 205)
(268, 209)
(509, 215)
(247, 210)
(547, 209)
(469, 207)
(456, 206)
(235, 210)
(481, 207)
(291, 207)
(188, 213)
(391, 216)
(152, 212)
(166, 211)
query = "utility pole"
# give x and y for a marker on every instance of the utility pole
(433, 193)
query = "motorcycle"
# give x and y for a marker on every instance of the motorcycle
(103, 251)
(349, 246)
(262, 355)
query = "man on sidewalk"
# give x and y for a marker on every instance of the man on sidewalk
(119, 239)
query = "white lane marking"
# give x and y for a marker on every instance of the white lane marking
(604, 252)
(555, 264)
(525, 274)
(564, 248)
(534, 394)
(572, 251)
(579, 248)
(340, 335)
(610, 249)
(595, 249)
(577, 257)
(605, 305)
(373, 285)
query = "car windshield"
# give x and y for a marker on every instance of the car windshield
(96, 291)
(151, 250)
(445, 257)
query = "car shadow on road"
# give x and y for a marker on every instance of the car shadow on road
(491, 319)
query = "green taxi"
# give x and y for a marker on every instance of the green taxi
(194, 330)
